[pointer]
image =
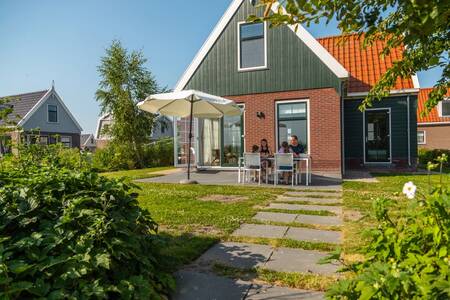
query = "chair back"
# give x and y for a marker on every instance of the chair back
(284, 161)
(252, 161)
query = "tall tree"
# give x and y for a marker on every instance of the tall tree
(8, 122)
(124, 82)
(421, 26)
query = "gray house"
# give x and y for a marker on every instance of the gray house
(43, 111)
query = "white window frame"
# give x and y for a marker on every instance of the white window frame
(239, 49)
(390, 136)
(57, 114)
(441, 113)
(66, 136)
(308, 116)
(424, 137)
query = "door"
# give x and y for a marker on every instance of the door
(377, 136)
(209, 146)
(233, 140)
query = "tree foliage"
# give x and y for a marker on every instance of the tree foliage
(421, 26)
(124, 82)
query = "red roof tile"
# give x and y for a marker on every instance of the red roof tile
(365, 66)
(433, 116)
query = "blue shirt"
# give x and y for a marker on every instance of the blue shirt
(297, 149)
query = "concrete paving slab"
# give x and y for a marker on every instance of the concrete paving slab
(203, 286)
(275, 217)
(314, 235)
(302, 261)
(236, 255)
(319, 220)
(310, 200)
(262, 231)
(266, 292)
(314, 194)
(333, 209)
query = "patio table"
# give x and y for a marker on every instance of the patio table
(302, 157)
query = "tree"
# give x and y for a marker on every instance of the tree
(421, 26)
(7, 121)
(124, 82)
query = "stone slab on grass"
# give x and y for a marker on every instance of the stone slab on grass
(261, 231)
(266, 292)
(302, 261)
(314, 194)
(314, 235)
(236, 255)
(275, 217)
(310, 200)
(198, 286)
(333, 209)
(319, 220)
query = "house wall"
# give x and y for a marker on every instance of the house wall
(325, 124)
(291, 64)
(40, 119)
(354, 132)
(437, 136)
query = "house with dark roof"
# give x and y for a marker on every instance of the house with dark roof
(433, 130)
(45, 112)
(290, 83)
(87, 142)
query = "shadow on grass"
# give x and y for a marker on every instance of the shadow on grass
(178, 249)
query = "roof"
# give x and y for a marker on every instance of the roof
(334, 65)
(433, 116)
(85, 138)
(365, 65)
(24, 103)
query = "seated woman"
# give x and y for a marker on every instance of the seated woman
(295, 147)
(265, 153)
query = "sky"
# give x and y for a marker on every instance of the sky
(47, 40)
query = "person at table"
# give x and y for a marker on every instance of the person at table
(295, 147)
(264, 151)
(285, 149)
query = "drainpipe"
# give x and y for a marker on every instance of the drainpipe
(342, 129)
(409, 131)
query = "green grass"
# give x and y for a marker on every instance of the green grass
(297, 224)
(136, 174)
(301, 212)
(287, 243)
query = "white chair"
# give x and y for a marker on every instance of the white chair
(284, 162)
(252, 163)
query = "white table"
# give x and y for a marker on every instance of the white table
(303, 157)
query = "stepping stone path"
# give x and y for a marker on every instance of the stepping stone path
(198, 281)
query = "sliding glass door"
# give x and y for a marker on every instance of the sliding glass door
(232, 140)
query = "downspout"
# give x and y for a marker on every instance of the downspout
(409, 131)
(342, 129)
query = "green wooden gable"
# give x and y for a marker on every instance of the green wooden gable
(291, 64)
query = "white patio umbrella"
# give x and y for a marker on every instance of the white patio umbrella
(192, 104)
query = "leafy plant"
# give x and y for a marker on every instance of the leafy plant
(408, 256)
(426, 155)
(75, 235)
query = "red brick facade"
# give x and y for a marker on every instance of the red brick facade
(325, 123)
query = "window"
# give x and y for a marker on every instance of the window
(421, 137)
(43, 140)
(53, 139)
(292, 119)
(445, 108)
(252, 46)
(52, 113)
(66, 141)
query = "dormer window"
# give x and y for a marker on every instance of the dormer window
(252, 46)
(445, 108)
(52, 111)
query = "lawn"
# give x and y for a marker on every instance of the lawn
(137, 174)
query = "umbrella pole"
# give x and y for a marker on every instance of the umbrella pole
(190, 142)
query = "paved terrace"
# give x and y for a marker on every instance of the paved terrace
(213, 177)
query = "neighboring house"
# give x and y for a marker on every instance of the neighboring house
(290, 83)
(88, 142)
(163, 128)
(46, 112)
(433, 130)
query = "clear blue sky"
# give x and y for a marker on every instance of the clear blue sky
(47, 40)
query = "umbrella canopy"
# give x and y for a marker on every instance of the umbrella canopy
(178, 104)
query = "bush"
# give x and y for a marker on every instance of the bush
(75, 235)
(159, 153)
(426, 155)
(408, 256)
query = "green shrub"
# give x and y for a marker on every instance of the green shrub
(408, 256)
(159, 153)
(75, 235)
(426, 155)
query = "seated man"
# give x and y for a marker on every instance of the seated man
(295, 147)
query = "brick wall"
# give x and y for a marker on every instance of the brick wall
(437, 136)
(325, 131)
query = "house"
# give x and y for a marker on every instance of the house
(46, 112)
(88, 142)
(433, 130)
(162, 128)
(290, 83)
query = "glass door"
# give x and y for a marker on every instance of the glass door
(209, 146)
(233, 141)
(377, 137)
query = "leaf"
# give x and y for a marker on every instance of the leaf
(103, 260)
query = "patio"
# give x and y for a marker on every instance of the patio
(220, 177)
